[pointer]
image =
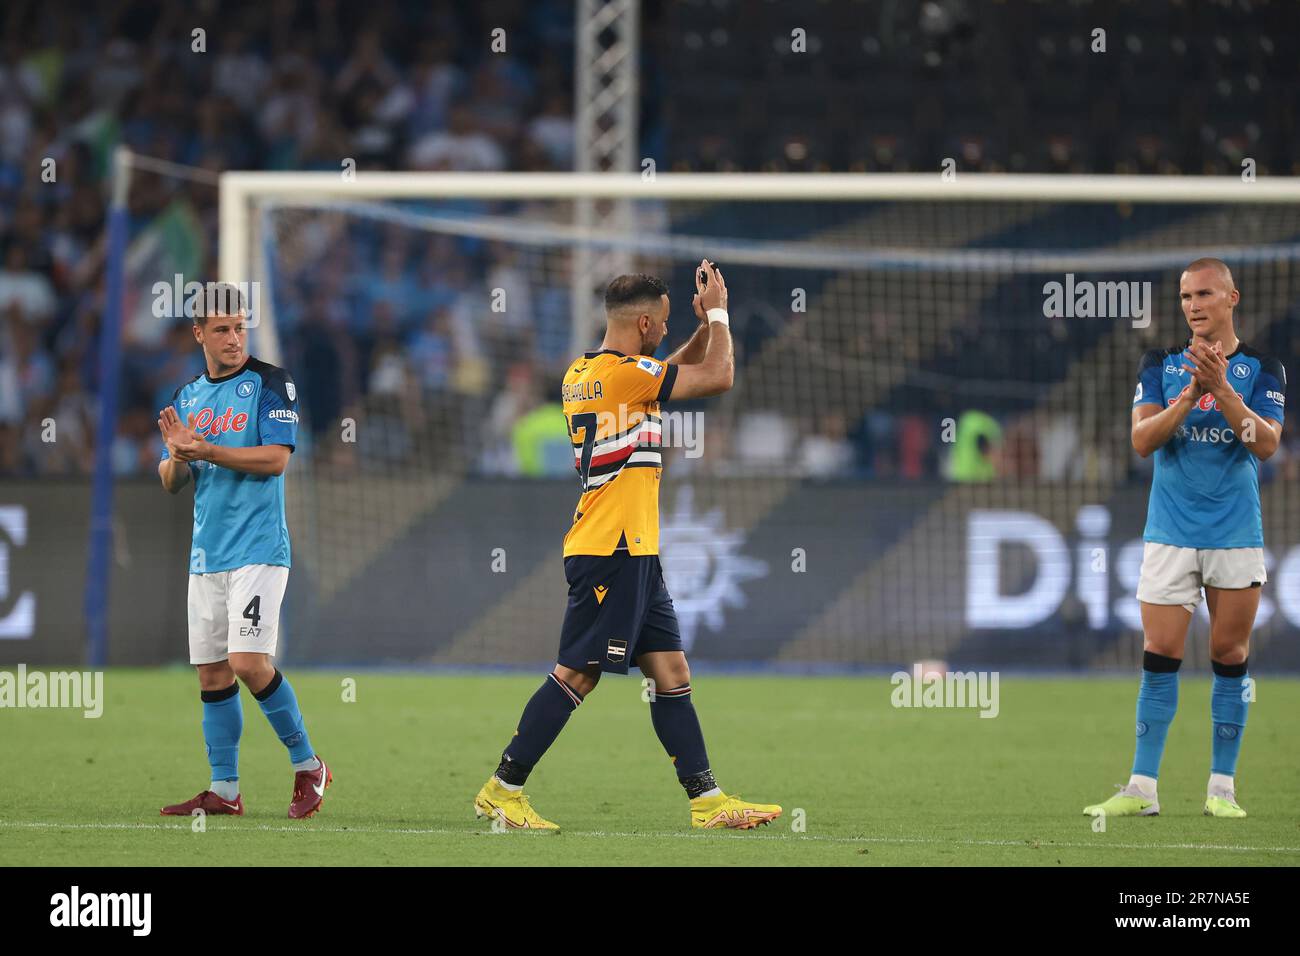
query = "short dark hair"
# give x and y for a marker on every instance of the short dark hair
(218, 298)
(634, 289)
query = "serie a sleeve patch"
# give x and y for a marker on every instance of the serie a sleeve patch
(650, 367)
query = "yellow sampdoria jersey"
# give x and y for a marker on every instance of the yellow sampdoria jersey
(611, 401)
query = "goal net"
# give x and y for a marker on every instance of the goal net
(925, 455)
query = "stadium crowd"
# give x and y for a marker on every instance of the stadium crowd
(284, 85)
(406, 329)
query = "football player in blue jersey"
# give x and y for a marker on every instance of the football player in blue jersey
(231, 430)
(1211, 412)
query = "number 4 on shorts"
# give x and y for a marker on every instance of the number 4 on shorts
(254, 610)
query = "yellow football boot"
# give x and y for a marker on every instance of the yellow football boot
(1129, 802)
(511, 807)
(731, 812)
(1223, 805)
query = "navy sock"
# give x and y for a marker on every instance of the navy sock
(1228, 708)
(223, 724)
(1156, 705)
(280, 704)
(678, 727)
(544, 716)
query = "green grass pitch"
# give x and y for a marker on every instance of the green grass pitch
(870, 784)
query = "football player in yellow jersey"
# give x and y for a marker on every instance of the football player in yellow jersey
(619, 610)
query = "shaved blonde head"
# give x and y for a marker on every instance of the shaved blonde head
(1218, 265)
(1208, 295)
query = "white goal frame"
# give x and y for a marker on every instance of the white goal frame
(240, 193)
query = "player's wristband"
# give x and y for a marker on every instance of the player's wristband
(718, 315)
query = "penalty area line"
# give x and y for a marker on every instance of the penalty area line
(615, 834)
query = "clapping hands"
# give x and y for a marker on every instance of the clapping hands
(1208, 366)
(183, 443)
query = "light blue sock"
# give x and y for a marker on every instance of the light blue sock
(1228, 706)
(1156, 705)
(223, 724)
(280, 705)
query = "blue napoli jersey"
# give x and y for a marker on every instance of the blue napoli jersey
(1205, 493)
(238, 517)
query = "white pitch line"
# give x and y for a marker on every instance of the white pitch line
(434, 831)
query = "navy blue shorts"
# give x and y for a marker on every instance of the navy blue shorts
(619, 608)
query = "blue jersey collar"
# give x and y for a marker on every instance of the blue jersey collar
(227, 378)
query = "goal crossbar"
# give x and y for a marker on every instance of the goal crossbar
(240, 191)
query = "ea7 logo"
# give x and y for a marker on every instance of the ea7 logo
(247, 631)
(102, 909)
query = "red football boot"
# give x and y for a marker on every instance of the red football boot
(208, 802)
(309, 790)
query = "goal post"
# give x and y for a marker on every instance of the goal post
(241, 192)
(243, 186)
(925, 455)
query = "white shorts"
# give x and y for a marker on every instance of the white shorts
(1172, 575)
(236, 610)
